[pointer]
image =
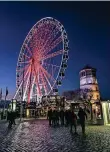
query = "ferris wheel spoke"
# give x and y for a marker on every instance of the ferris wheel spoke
(30, 84)
(36, 41)
(23, 72)
(26, 56)
(53, 65)
(36, 79)
(25, 62)
(26, 87)
(37, 55)
(46, 42)
(50, 39)
(53, 68)
(29, 92)
(43, 81)
(33, 82)
(47, 79)
(52, 55)
(53, 45)
(22, 68)
(52, 34)
(28, 50)
(48, 45)
(21, 83)
(49, 75)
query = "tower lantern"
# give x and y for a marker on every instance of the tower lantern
(88, 81)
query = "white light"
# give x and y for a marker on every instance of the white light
(104, 107)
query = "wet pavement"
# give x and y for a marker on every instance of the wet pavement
(37, 136)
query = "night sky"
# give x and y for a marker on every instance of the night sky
(88, 28)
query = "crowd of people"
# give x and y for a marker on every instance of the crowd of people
(67, 118)
(58, 117)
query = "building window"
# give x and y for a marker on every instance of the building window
(88, 73)
(83, 73)
(96, 88)
(97, 96)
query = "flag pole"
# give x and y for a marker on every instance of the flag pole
(4, 107)
(1, 95)
(5, 102)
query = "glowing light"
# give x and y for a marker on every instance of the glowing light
(27, 112)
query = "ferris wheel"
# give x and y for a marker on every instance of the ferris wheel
(42, 60)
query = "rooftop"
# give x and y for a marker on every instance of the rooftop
(88, 67)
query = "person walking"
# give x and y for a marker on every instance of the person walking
(14, 117)
(49, 116)
(62, 117)
(73, 120)
(82, 115)
(66, 117)
(54, 117)
(57, 117)
(10, 119)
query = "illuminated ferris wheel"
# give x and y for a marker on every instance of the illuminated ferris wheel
(42, 60)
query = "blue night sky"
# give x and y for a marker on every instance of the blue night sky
(88, 28)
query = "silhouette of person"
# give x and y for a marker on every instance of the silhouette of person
(57, 117)
(10, 119)
(49, 116)
(14, 117)
(62, 117)
(67, 117)
(82, 115)
(54, 117)
(73, 120)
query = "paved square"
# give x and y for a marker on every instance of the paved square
(37, 136)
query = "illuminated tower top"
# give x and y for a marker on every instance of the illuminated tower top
(88, 81)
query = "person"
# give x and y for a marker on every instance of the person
(73, 120)
(67, 117)
(62, 117)
(54, 117)
(49, 116)
(10, 119)
(57, 117)
(82, 115)
(14, 117)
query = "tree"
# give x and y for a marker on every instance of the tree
(87, 96)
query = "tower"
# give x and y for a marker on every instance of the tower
(88, 80)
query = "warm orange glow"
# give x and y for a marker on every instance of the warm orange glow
(27, 112)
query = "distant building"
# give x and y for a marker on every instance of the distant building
(88, 81)
(69, 95)
(4, 104)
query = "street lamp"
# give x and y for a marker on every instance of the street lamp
(21, 94)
